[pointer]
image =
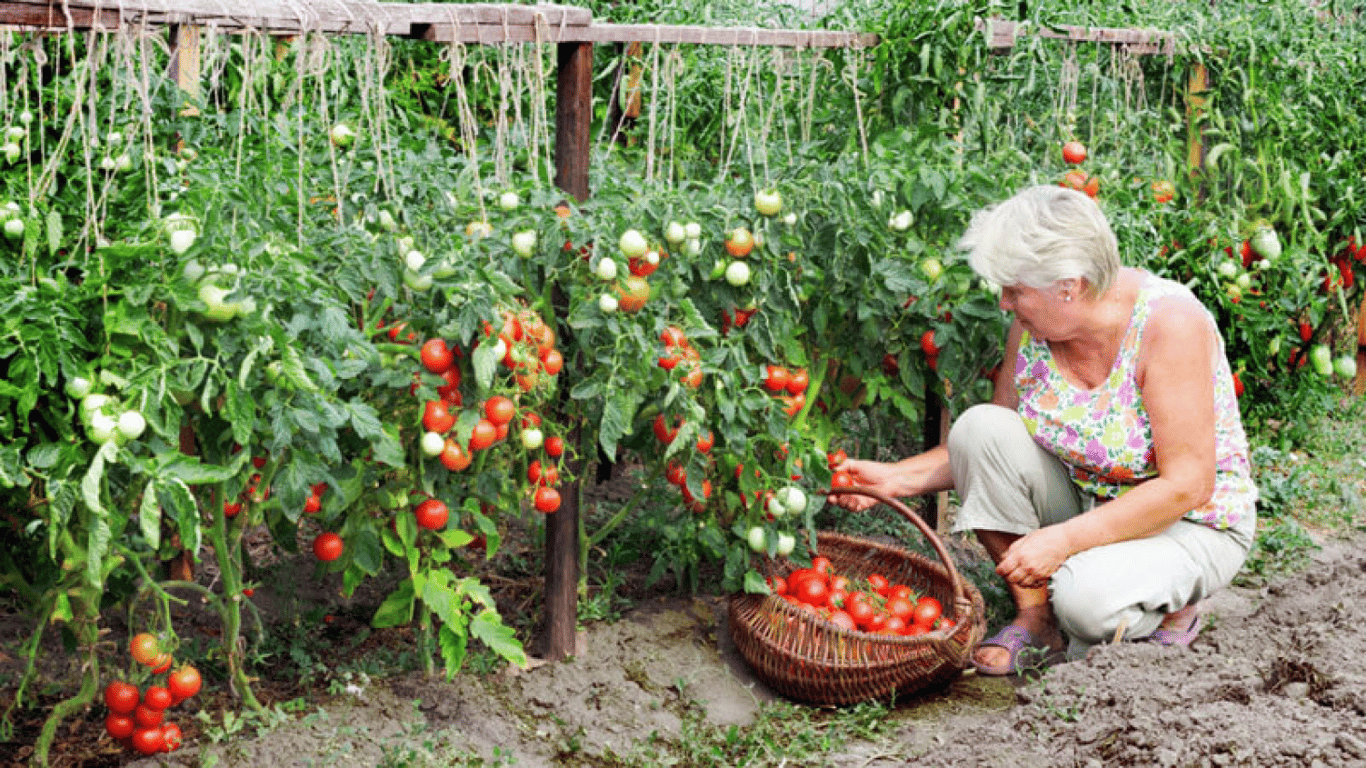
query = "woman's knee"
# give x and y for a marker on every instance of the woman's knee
(980, 425)
(1084, 609)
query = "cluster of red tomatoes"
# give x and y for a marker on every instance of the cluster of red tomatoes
(789, 386)
(868, 605)
(137, 719)
(253, 491)
(678, 350)
(526, 346)
(675, 473)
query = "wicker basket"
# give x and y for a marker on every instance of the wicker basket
(805, 657)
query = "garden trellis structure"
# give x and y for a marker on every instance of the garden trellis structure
(575, 33)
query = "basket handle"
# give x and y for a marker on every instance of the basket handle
(960, 593)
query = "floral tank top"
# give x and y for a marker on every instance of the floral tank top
(1103, 436)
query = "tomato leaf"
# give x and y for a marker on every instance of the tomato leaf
(485, 364)
(488, 626)
(397, 608)
(617, 414)
(149, 516)
(755, 583)
(366, 550)
(12, 468)
(452, 649)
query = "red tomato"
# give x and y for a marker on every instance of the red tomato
(432, 514)
(552, 362)
(157, 698)
(705, 442)
(843, 620)
(231, 508)
(149, 741)
(900, 590)
(836, 457)
(894, 625)
(144, 648)
(171, 737)
(184, 683)
(484, 435)
(450, 391)
(878, 583)
(436, 356)
(119, 726)
(161, 663)
(900, 607)
(319, 489)
(675, 473)
(812, 591)
(312, 504)
(859, 610)
(499, 410)
(436, 417)
(121, 698)
(927, 344)
(775, 378)
(147, 717)
(797, 382)
(328, 547)
(672, 336)
(453, 457)
(662, 431)
(1074, 152)
(821, 564)
(546, 499)
(927, 611)
(841, 479)
(778, 584)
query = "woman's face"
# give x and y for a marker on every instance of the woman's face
(1041, 311)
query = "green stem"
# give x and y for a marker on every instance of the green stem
(85, 606)
(229, 566)
(425, 640)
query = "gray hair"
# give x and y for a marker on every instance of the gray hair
(1041, 235)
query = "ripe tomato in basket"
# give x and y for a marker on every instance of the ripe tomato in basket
(900, 608)
(927, 611)
(778, 584)
(821, 564)
(812, 591)
(878, 583)
(842, 620)
(860, 610)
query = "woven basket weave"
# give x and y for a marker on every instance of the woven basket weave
(805, 657)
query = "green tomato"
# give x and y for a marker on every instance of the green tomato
(78, 387)
(786, 543)
(131, 425)
(219, 310)
(758, 540)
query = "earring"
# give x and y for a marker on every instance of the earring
(1067, 297)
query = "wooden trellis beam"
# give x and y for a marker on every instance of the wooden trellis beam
(1002, 35)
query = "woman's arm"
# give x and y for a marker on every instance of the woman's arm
(927, 472)
(1176, 380)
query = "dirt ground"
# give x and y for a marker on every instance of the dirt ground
(1274, 680)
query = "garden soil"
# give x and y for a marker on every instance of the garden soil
(1275, 679)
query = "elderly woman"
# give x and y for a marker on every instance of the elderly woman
(1109, 476)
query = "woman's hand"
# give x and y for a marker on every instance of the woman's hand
(875, 475)
(1032, 560)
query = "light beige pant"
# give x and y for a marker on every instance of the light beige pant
(1007, 483)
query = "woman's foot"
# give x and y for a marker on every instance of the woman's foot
(1002, 654)
(1178, 627)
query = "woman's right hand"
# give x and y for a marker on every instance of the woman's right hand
(874, 475)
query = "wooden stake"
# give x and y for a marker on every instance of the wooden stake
(185, 64)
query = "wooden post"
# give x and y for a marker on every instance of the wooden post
(185, 64)
(1195, 109)
(1359, 384)
(573, 117)
(932, 434)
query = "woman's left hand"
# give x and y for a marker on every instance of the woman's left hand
(1034, 557)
